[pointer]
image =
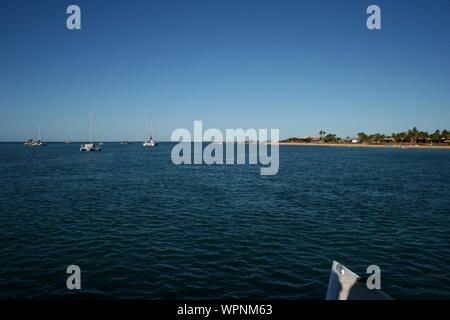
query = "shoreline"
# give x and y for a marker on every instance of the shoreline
(356, 145)
(301, 144)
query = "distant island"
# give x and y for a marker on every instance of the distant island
(407, 139)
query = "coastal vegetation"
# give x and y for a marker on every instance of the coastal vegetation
(412, 136)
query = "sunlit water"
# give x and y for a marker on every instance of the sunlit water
(141, 227)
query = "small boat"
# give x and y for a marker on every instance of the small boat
(344, 284)
(68, 141)
(124, 142)
(29, 142)
(91, 146)
(150, 142)
(36, 143)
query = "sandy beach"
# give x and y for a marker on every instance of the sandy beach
(357, 145)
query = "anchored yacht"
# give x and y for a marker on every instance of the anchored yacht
(150, 142)
(91, 146)
(36, 142)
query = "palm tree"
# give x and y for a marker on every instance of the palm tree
(321, 133)
(445, 134)
(413, 135)
(362, 137)
(436, 136)
(330, 138)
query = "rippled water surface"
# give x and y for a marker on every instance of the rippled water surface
(141, 227)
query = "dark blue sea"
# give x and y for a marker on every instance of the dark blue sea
(141, 227)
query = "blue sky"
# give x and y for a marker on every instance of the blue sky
(299, 66)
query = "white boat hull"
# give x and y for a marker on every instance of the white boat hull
(38, 144)
(88, 147)
(150, 143)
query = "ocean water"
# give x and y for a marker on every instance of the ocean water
(141, 227)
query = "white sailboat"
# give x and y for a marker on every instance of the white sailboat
(91, 146)
(150, 142)
(29, 142)
(38, 142)
(69, 141)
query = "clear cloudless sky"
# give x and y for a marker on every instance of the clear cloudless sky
(300, 66)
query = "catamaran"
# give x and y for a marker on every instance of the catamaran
(35, 143)
(91, 146)
(150, 142)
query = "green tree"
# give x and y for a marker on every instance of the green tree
(395, 137)
(362, 137)
(330, 138)
(436, 136)
(321, 133)
(445, 135)
(413, 134)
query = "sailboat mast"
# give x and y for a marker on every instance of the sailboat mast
(40, 138)
(91, 126)
(151, 127)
